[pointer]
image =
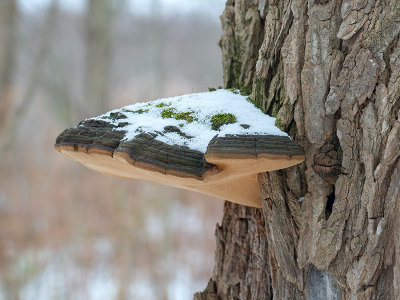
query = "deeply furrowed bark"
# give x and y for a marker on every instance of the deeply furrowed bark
(329, 72)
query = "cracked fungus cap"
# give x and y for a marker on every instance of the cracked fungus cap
(214, 143)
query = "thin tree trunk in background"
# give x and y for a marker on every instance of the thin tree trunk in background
(98, 54)
(10, 122)
(329, 72)
(8, 16)
(157, 34)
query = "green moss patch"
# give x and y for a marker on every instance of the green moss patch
(139, 111)
(219, 120)
(245, 126)
(162, 104)
(235, 91)
(187, 116)
(245, 90)
(170, 113)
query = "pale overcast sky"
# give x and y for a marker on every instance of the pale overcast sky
(212, 7)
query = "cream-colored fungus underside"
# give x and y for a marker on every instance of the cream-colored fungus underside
(234, 178)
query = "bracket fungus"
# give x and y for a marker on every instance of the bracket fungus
(215, 143)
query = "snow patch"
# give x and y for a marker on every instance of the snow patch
(322, 285)
(380, 226)
(195, 131)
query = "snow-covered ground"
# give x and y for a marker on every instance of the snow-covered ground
(63, 278)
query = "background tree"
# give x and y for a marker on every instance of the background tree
(99, 23)
(329, 228)
(10, 115)
(8, 15)
(64, 241)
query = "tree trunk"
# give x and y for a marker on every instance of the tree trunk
(11, 117)
(8, 15)
(329, 228)
(98, 53)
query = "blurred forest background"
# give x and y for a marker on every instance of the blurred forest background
(65, 231)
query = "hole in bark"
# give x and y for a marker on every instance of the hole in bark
(322, 2)
(327, 162)
(329, 204)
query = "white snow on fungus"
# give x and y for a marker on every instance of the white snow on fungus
(192, 115)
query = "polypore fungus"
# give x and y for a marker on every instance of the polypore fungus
(175, 142)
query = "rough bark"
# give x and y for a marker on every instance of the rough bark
(329, 72)
(241, 262)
